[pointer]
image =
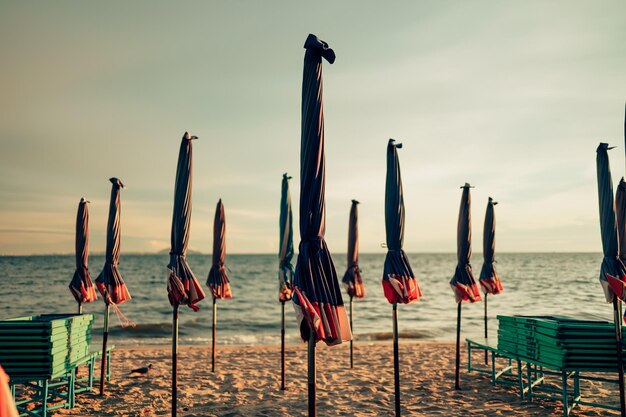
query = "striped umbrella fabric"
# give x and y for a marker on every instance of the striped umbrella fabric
(182, 285)
(285, 254)
(110, 282)
(399, 283)
(218, 278)
(81, 286)
(489, 279)
(612, 271)
(352, 279)
(463, 283)
(317, 297)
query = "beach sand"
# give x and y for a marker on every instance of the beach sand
(247, 380)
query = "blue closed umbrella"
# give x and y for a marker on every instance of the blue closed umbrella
(317, 297)
(285, 267)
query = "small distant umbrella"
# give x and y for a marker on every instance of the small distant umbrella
(399, 283)
(317, 297)
(81, 286)
(463, 283)
(489, 279)
(352, 278)
(285, 268)
(110, 282)
(218, 279)
(612, 271)
(182, 285)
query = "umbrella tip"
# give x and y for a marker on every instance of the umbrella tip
(392, 142)
(313, 43)
(189, 137)
(467, 185)
(355, 202)
(286, 176)
(604, 146)
(117, 181)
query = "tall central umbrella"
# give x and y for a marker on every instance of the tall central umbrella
(110, 282)
(352, 278)
(285, 268)
(463, 283)
(489, 279)
(399, 283)
(182, 285)
(612, 271)
(81, 286)
(217, 279)
(317, 299)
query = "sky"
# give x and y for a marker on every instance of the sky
(512, 97)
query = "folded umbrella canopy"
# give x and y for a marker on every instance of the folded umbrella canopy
(399, 283)
(317, 297)
(218, 279)
(285, 268)
(463, 283)
(612, 270)
(110, 282)
(81, 286)
(489, 279)
(182, 285)
(352, 278)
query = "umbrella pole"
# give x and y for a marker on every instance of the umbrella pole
(282, 346)
(620, 360)
(311, 369)
(486, 332)
(213, 338)
(174, 359)
(80, 308)
(105, 337)
(351, 356)
(457, 376)
(396, 361)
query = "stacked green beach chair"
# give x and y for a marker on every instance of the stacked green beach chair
(560, 342)
(560, 346)
(41, 353)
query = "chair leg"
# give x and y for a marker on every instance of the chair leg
(44, 398)
(565, 402)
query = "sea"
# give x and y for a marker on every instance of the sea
(563, 284)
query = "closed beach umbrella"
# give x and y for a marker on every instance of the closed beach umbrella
(182, 285)
(285, 267)
(317, 297)
(612, 271)
(352, 278)
(463, 283)
(218, 279)
(489, 279)
(81, 286)
(399, 283)
(110, 282)
(620, 213)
